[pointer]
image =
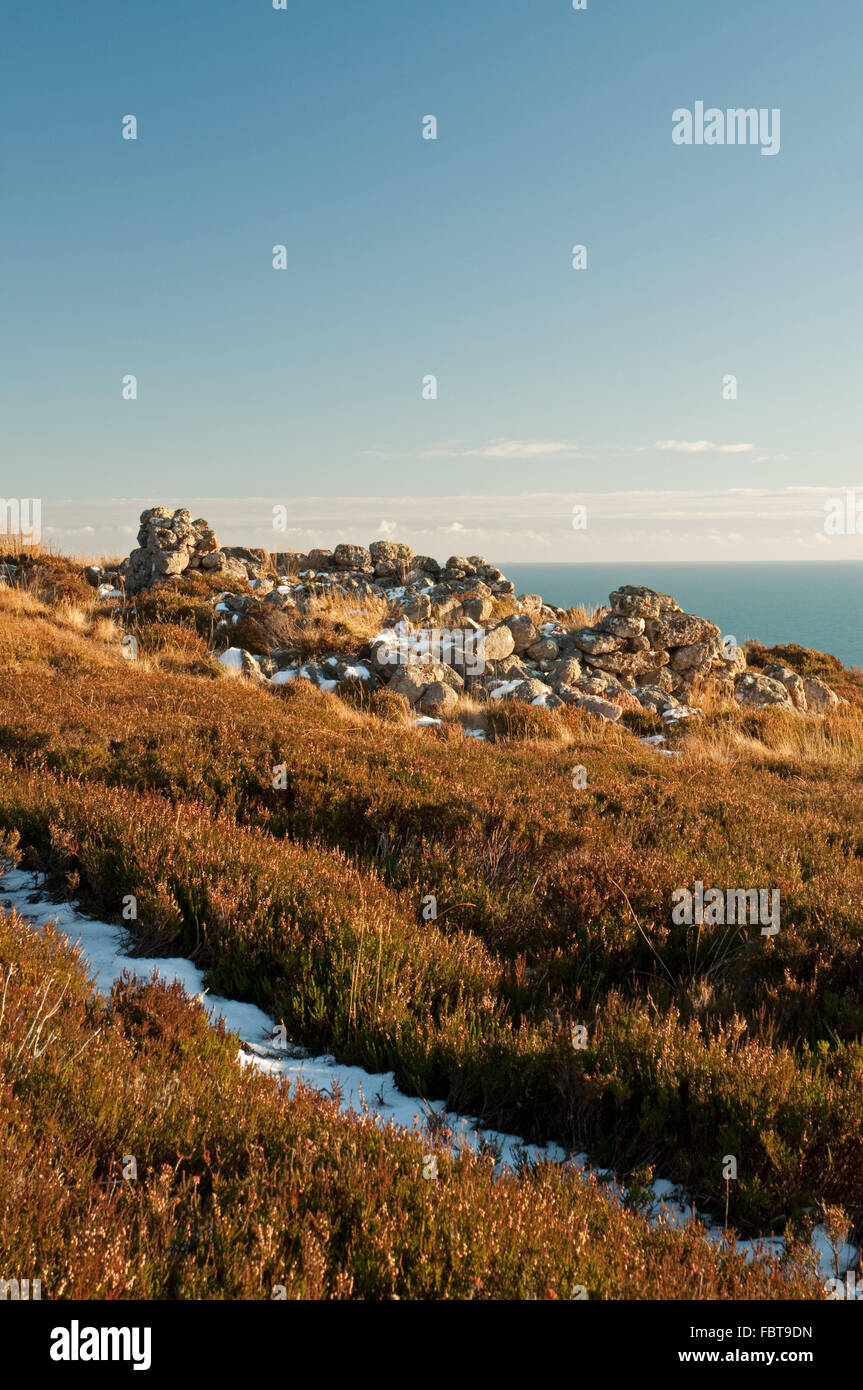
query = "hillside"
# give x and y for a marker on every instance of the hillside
(332, 847)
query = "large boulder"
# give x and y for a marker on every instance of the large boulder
(437, 699)
(652, 697)
(820, 699)
(457, 567)
(390, 557)
(565, 672)
(477, 609)
(792, 682)
(627, 666)
(530, 603)
(757, 691)
(595, 642)
(658, 674)
(496, 644)
(696, 656)
(620, 625)
(637, 601)
(321, 561)
(592, 683)
(599, 708)
(679, 630)
(427, 565)
(524, 634)
(291, 562)
(416, 607)
(527, 690)
(254, 564)
(543, 649)
(145, 567)
(352, 557)
(413, 679)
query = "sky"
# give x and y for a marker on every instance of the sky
(408, 258)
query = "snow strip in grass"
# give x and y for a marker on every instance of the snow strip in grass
(106, 951)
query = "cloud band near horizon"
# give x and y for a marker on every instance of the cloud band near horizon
(732, 524)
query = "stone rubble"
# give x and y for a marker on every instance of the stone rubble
(643, 653)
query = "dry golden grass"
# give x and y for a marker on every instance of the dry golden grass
(143, 777)
(730, 734)
(242, 1191)
(581, 615)
(363, 618)
(34, 631)
(326, 624)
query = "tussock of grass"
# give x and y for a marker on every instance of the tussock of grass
(328, 625)
(581, 615)
(514, 721)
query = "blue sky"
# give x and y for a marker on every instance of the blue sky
(408, 257)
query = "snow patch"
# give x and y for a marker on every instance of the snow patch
(232, 659)
(505, 688)
(681, 712)
(106, 950)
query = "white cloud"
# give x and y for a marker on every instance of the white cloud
(506, 449)
(630, 526)
(701, 446)
(680, 446)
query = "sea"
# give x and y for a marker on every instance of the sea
(815, 605)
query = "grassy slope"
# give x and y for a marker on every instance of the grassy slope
(126, 779)
(240, 1190)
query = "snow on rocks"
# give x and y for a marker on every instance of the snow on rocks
(671, 716)
(655, 740)
(238, 662)
(503, 689)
